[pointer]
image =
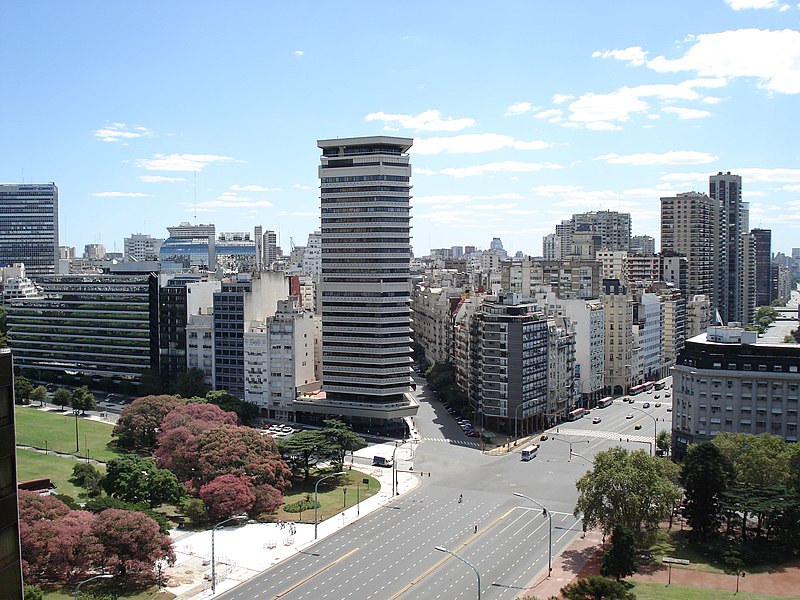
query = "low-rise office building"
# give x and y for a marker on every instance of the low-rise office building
(724, 381)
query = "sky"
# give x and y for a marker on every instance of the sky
(523, 113)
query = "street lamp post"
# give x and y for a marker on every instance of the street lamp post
(213, 560)
(394, 469)
(77, 447)
(316, 489)
(655, 428)
(102, 576)
(570, 445)
(466, 562)
(549, 515)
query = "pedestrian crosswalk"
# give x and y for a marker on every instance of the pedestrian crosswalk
(469, 443)
(608, 435)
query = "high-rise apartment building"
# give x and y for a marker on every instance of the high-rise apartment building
(614, 228)
(726, 190)
(762, 239)
(366, 279)
(10, 557)
(689, 227)
(643, 244)
(29, 227)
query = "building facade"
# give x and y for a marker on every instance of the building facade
(29, 227)
(365, 283)
(10, 553)
(725, 381)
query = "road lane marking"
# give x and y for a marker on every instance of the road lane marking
(448, 557)
(310, 577)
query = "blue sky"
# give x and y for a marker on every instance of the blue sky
(523, 113)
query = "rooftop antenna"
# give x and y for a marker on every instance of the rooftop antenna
(23, 174)
(195, 197)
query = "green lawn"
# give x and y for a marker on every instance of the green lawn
(331, 499)
(658, 591)
(149, 594)
(56, 431)
(33, 465)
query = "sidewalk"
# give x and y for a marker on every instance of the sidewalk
(582, 554)
(243, 552)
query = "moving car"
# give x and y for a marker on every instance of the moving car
(637, 426)
(596, 420)
(629, 416)
(646, 405)
(658, 404)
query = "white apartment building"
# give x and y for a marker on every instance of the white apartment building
(278, 358)
(588, 321)
(431, 320)
(140, 247)
(649, 331)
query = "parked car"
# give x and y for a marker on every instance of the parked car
(473, 433)
(667, 395)
(544, 437)
(657, 396)
(669, 409)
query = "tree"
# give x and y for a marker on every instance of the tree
(39, 394)
(33, 507)
(62, 397)
(304, 449)
(177, 439)
(758, 460)
(83, 399)
(150, 384)
(705, 475)
(135, 479)
(268, 499)
(597, 588)
(235, 450)
(627, 488)
(228, 495)
(59, 550)
(132, 542)
(191, 383)
(32, 592)
(87, 476)
(246, 411)
(621, 559)
(663, 442)
(139, 423)
(22, 390)
(341, 440)
(195, 510)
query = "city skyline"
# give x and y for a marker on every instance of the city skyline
(520, 117)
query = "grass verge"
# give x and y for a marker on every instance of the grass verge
(658, 591)
(56, 430)
(34, 465)
(332, 498)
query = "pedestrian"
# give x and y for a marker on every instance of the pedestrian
(476, 529)
(460, 498)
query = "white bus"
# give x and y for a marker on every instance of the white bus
(529, 452)
(607, 401)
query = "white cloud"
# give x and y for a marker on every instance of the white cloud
(299, 53)
(788, 188)
(633, 55)
(180, 162)
(712, 100)
(555, 189)
(553, 115)
(771, 57)
(452, 199)
(508, 166)
(114, 132)
(229, 200)
(687, 113)
(752, 4)
(253, 188)
(673, 157)
(561, 98)
(519, 108)
(159, 178)
(429, 120)
(303, 186)
(473, 144)
(120, 195)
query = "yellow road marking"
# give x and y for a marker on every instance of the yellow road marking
(310, 577)
(448, 557)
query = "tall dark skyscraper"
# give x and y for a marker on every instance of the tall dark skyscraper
(29, 227)
(732, 299)
(763, 250)
(10, 558)
(366, 281)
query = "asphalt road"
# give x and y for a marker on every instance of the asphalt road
(391, 553)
